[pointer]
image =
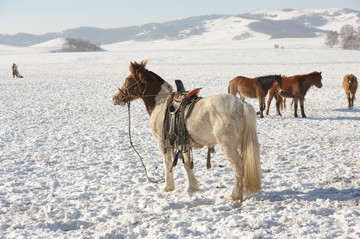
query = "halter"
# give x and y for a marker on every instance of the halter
(129, 95)
(138, 84)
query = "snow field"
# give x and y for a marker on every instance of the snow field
(67, 170)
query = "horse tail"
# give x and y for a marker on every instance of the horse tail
(251, 151)
(232, 89)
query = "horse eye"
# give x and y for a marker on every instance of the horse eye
(128, 81)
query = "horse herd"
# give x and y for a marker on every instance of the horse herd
(222, 119)
(282, 87)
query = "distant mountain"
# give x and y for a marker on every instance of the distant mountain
(286, 23)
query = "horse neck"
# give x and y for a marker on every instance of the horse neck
(308, 82)
(266, 82)
(156, 91)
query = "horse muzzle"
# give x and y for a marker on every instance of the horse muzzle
(118, 101)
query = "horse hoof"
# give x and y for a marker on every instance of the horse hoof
(193, 189)
(234, 198)
(168, 189)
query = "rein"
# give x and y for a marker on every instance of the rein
(141, 159)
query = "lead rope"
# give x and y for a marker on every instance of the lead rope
(141, 159)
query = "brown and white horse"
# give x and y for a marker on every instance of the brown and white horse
(254, 88)
(350, 85)
(219, 119)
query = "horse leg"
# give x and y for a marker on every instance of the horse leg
(193, 184)
(278, 103)
(349, 99)
(295, 100)
(168, 164)
(208, 158)
(261, 105)
(302, 107)
(242, 98)
(352, 100)
(238, 169)
(271, 95)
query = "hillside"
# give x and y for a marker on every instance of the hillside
(274, 24)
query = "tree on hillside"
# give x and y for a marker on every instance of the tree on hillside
(78, 45)
(332, 39)
(348, 37)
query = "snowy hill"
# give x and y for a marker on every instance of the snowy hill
(287, 23)
(54, 44)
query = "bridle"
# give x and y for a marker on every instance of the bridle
(129, 95)
(138, 84)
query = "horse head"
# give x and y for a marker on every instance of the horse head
(134, 85)
(278, 80)
(144, 84)
(277, 83)
(317, 79)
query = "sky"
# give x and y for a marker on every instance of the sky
(43, 16)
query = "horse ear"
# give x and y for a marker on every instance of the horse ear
(141, 71)
(131, 67)
(143, 63)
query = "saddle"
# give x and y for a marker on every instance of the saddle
(178, 109)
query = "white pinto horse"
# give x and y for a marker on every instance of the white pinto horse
(215, 120)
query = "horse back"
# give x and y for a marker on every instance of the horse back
(244, 86)
(290, 87)
(350, 83)
(214, 115)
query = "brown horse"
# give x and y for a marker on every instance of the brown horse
(254, 88)
(350, 85)
(294, 87)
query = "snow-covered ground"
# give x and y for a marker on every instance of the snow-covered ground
(67, 170)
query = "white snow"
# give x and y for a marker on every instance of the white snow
(54, 44)
(67, 170)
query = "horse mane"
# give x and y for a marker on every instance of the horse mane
(266, 82)
(308, 75)
(140, 73)
(138, 70)
(134, 66)
(314, 73)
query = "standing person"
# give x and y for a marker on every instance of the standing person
(15, 71)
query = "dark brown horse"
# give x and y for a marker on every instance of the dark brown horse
(350, 85)
(295, 87)
(255, 88)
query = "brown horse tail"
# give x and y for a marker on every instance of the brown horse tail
(251, 151)
(232, 87)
